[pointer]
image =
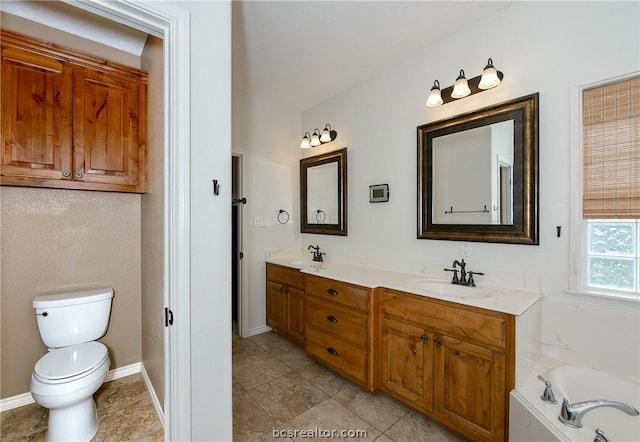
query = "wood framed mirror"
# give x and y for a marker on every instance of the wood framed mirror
(323, 193)
(478, 175)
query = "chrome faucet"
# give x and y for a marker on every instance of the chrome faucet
(317, 256)
(571, 414)
(463, 274)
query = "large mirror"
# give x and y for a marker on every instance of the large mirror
(478, 175)
(323, 193)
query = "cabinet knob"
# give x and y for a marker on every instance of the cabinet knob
(332, 318)
(437, 342)
(424, 338)
(78, 174)
(332, 351)
(66, 174)
(332, 292)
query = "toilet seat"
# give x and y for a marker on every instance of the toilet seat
(67, 364)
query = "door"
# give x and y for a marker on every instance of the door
(107, 134)
(407, 361)
(469, 388)
(36, 116)
(295, 314)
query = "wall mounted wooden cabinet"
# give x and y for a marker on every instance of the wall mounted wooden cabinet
(70, 120)
(285, 301)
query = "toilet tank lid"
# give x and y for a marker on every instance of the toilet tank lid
(71, 298)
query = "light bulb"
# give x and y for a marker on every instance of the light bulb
(489, 77)
(435, 98)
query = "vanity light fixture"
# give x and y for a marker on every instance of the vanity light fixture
(317, 138)
(462, 87)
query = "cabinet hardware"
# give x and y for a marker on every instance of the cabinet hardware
(66, 174)
(78, 174)
(332, 351)
(332, 292)
(332, 318)
(424, 338)
(437, 342)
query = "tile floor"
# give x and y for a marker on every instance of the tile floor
(278, 388)
(125, 411)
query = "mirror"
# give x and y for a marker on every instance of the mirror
(478, 175)
(323, 193)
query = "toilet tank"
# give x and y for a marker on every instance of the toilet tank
(73, 318)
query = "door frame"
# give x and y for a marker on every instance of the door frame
(172, 25)
(243, 278)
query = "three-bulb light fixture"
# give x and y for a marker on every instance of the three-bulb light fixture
(462, 87)
(317, 138)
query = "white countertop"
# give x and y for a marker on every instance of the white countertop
(511, 301)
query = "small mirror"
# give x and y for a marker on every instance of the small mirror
(323, 193)
(478, 175)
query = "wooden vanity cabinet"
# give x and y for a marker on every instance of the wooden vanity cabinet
(285, 301)
(70, 120)
(453, 362)
(338, 324)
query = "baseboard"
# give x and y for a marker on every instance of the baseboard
(258, 330)
(154, 397)
(23, 399)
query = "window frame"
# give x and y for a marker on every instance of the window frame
(578, 254)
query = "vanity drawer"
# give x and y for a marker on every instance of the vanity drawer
(343, 357)
(345, 323)
(285, 275)
(340, 292)
(458, 320)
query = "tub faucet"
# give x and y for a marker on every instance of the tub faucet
(571, 414)
(317, 256)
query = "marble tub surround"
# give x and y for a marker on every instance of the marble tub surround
(420, 280)
(125, 412)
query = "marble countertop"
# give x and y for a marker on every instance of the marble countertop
(506, 300)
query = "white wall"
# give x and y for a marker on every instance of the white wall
(265, 135)
(540, 46)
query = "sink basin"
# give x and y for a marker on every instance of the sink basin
(451, 290)
(302, 262)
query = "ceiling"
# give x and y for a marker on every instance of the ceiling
(300, 53)
(296, 53)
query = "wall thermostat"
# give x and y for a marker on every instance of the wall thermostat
(379, 193)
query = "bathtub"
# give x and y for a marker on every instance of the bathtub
(532, 420)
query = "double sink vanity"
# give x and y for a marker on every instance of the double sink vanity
(445, 350)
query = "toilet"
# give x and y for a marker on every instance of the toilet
(65, 379)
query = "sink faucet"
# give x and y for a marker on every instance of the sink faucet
(571, 414)
(317, 256)
(463, 274)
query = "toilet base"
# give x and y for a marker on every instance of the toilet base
(78, 422)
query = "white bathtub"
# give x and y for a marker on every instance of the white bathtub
(532, 420)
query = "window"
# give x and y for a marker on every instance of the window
(609, 210)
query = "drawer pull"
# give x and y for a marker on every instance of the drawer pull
(332, 351)
(437, 342)
(424, 338)
(332, 318)
(332, 292)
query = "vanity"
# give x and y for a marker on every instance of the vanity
(447, 351)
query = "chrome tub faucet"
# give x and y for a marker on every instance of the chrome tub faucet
(571, 414)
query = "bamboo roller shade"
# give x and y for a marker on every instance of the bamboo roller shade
(611, 149)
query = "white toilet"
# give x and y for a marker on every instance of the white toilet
(65, 379)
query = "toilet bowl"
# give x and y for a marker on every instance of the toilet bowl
(65, 379)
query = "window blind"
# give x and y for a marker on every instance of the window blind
(611, 150)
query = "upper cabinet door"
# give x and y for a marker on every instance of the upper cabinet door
(108, 129)
(36, 116)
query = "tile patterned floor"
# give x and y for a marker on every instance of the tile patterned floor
(125, 411)
(277, 389)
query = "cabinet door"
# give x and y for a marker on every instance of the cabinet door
(469, 388)
(108, 135)
(36, 116)
(407, 363)
(296, 314)
(277, 306)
